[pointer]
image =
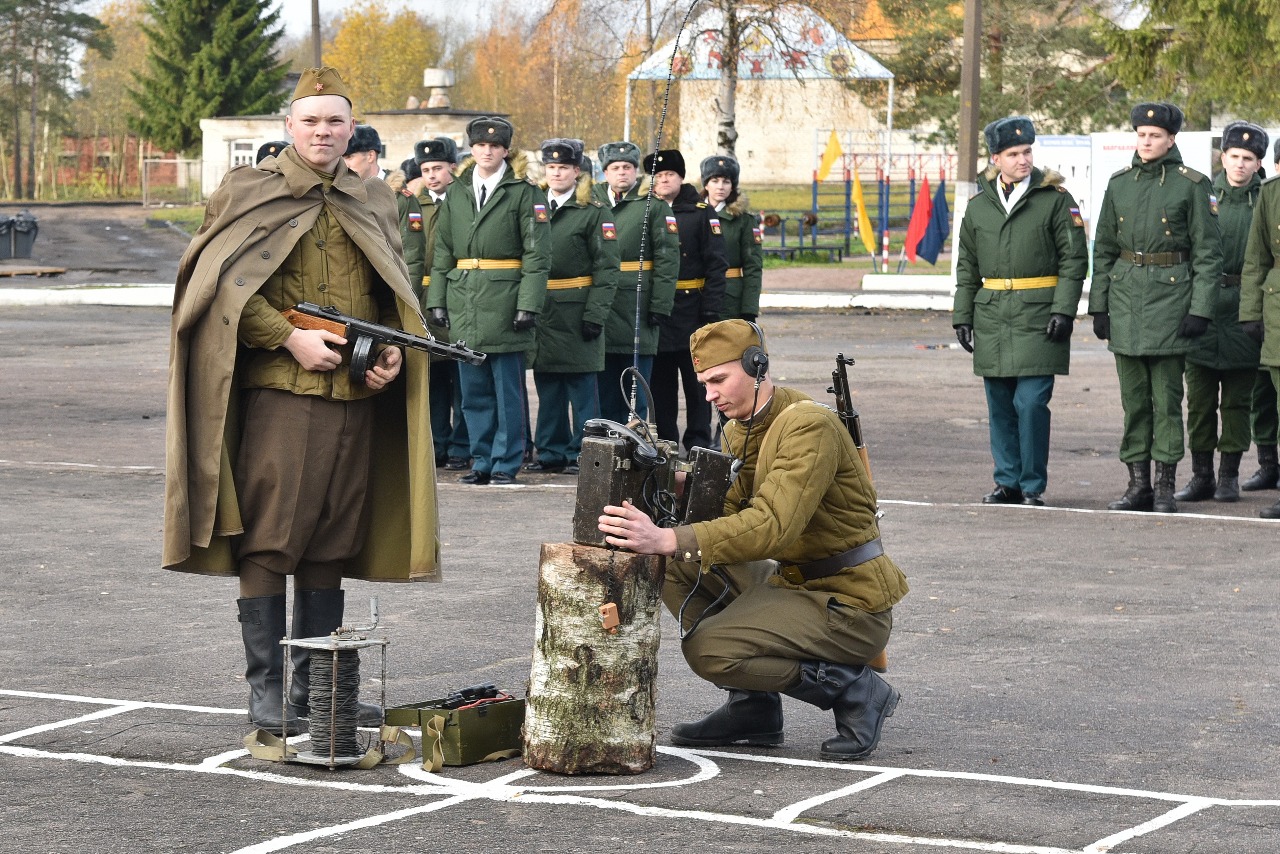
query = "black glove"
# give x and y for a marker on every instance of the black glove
(708, 317)
(591, 331)
(440, 316)
(525, 320)
(1059, 328)
(748, 317)
(1193, 326)
(1254, 329)
(1102, 326)
(655, 319)
(964, 334)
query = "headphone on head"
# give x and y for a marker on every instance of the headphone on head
(755, 361)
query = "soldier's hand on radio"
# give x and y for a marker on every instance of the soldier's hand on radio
(1254, 329)
(1193, 326)
(311, 348)
(1102, 326)
(385, 369)
(964, 334)
(525, 320)
(440, 316)
(1059, 328)
(591, 331)
(631, 529)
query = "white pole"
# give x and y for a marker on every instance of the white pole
(626, 115)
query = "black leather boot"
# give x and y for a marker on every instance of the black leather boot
(747, 717)
(1268, 474)
(1165, 475)
(1228, 478)
(1139, 495)
(860, 699)
(1202, 485)
(262, 628)
(318, 613)
(1272, 512)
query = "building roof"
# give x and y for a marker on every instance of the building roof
(798, 44)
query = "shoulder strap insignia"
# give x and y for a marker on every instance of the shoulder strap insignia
(1191, 175)
(1120, 172)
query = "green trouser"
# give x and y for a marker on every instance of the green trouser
(1203, 407)
(1262, 408)
(1151, 394)
(756, 637)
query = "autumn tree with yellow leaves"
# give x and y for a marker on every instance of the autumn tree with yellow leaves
(382, 53)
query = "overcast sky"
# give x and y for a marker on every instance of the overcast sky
(297, 13)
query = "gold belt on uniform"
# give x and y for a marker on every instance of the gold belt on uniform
(426, 281)
(489, 264)
(635, 266)
(690, 284)
(1154, 259)
(565, 284)
(733, 273)
(1024, 284)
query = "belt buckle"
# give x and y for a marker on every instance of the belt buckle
(1008, 284)
(792, 574)
(1139, 259)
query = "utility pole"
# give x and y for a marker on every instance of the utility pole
(967, 146)
(315, 32)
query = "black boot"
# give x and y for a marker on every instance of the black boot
(1228, 478)
(1272, 512)
(1139, 494)
(262, 628)
(317, 614)
(1268, 474)
(860, 699)
(1165, 475)
(747, 717)
(1202, 485)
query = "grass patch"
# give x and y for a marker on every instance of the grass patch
(187, 218)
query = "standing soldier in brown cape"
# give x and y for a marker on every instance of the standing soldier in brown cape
(278, 462)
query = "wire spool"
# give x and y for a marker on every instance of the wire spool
(335, 704)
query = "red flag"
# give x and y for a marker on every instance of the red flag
(920, 217)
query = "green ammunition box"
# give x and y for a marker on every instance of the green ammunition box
(469, 735)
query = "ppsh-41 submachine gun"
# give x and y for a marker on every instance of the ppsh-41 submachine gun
(308, 315)
(844, 407)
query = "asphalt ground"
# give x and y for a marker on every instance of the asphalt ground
(1073, 680)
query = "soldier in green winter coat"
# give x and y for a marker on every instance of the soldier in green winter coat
(1224, 361)
(404, 182)
(488, 284)
(1260, 293)
(791, 590)
(1021, 267)
(742, 237)
(1157, 263)
(569, 348)
(654, 275)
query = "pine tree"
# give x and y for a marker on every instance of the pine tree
(207, 59)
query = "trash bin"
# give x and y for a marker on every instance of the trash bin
(25, 227)
(6, 237)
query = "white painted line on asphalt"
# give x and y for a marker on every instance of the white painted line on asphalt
(104, 701)
(108, 294)
(1102, 846)
(284, 842)
(1021, 508)
(794, 811)
(45, 464)
(92, 716)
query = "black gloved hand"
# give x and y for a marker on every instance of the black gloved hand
(964, 334)
(525, 320)
(1102, 326)
(1059, 328)
(655, 319)
(591, 331)
(1193, 326)
(441, 317)
(748, 317)
(1254, 329)
(708, 317)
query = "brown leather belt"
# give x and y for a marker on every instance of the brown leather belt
(1154, 259)
(833, 565)
(1229, 281)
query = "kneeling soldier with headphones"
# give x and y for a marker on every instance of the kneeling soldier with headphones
(790, 591)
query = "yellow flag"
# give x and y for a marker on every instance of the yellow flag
(829, 157)
(864, 221)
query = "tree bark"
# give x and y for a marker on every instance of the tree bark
(590, 706)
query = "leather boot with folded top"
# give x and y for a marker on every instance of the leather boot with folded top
(860, 699)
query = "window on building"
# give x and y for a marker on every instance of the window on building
(243, 152)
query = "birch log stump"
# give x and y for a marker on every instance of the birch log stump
(590, 706)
